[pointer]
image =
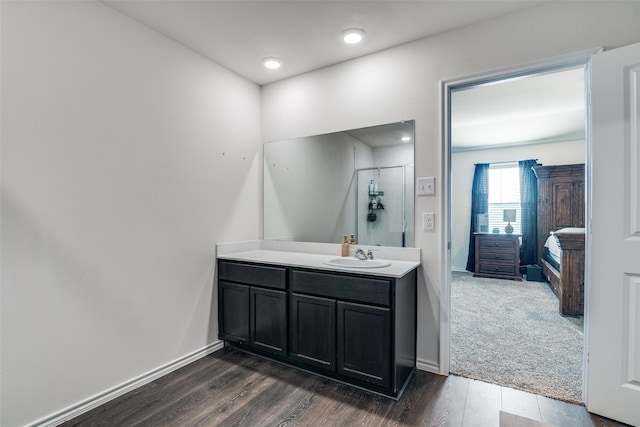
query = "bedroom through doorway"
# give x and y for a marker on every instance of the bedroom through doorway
(517, 159)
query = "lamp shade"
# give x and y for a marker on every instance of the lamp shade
(509, 215)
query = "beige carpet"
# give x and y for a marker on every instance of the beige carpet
(510, 333)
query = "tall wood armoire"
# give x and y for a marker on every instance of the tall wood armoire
(560, 199)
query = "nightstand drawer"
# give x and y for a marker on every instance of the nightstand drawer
(488, 243)
(508, 257)
(505, 269)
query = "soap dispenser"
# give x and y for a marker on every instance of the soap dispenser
(345, 246)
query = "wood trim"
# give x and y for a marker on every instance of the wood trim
(570, 241)
(572, 272)
(552, 275)
(429, 366)
(568, 283)
(559, 171)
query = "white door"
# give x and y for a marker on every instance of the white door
(613, 321)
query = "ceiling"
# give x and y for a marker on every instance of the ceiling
(385, 135)
(304, 34)
(537, 108)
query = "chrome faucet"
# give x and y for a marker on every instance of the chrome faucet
(362, 256)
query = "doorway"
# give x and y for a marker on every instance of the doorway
(508, 139)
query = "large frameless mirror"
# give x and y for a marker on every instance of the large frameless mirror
(318, 188)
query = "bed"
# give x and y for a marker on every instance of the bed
(563, 265)
(560, 222)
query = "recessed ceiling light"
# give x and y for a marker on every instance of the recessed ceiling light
(353, 35)
(272, 63)
(406, 138)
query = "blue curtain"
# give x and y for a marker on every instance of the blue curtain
(529, 206)
(479, 205)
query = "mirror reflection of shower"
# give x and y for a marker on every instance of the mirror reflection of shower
(384, 206)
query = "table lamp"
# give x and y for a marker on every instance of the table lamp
(508, 215)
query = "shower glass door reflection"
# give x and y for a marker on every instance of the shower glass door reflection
(384, 206)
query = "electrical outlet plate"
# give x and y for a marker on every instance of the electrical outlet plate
(426, 186)
(428, 221)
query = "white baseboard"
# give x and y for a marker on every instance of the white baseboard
(427, 365)
(110, 394)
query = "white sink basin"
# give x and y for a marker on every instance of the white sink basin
(356, 263)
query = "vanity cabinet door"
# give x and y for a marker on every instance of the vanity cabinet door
(313, 331)
(269, 320)
(233, 313)
(364, 342)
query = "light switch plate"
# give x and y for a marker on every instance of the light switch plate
(426, 186)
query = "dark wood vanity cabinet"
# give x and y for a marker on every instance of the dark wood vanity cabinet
(347, 338)
(356, 328)
(252, 309)
(268, 317)
(233, 314)
(360, 346)
(313, 323)
(364, 342)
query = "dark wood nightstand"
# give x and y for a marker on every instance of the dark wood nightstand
(497, 256)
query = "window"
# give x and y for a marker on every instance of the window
(504, 193)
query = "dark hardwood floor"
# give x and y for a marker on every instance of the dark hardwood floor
(231, 388)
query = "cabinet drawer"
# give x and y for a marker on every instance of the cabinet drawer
(491, 268)
(362, 289)
(496, 243)
(260, 275)
(497, 256)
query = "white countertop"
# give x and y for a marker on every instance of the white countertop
(304, 258)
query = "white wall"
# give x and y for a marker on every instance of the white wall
(125, 159)
(405, 82)
(462, 169)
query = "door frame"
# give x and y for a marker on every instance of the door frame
(555, 63)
